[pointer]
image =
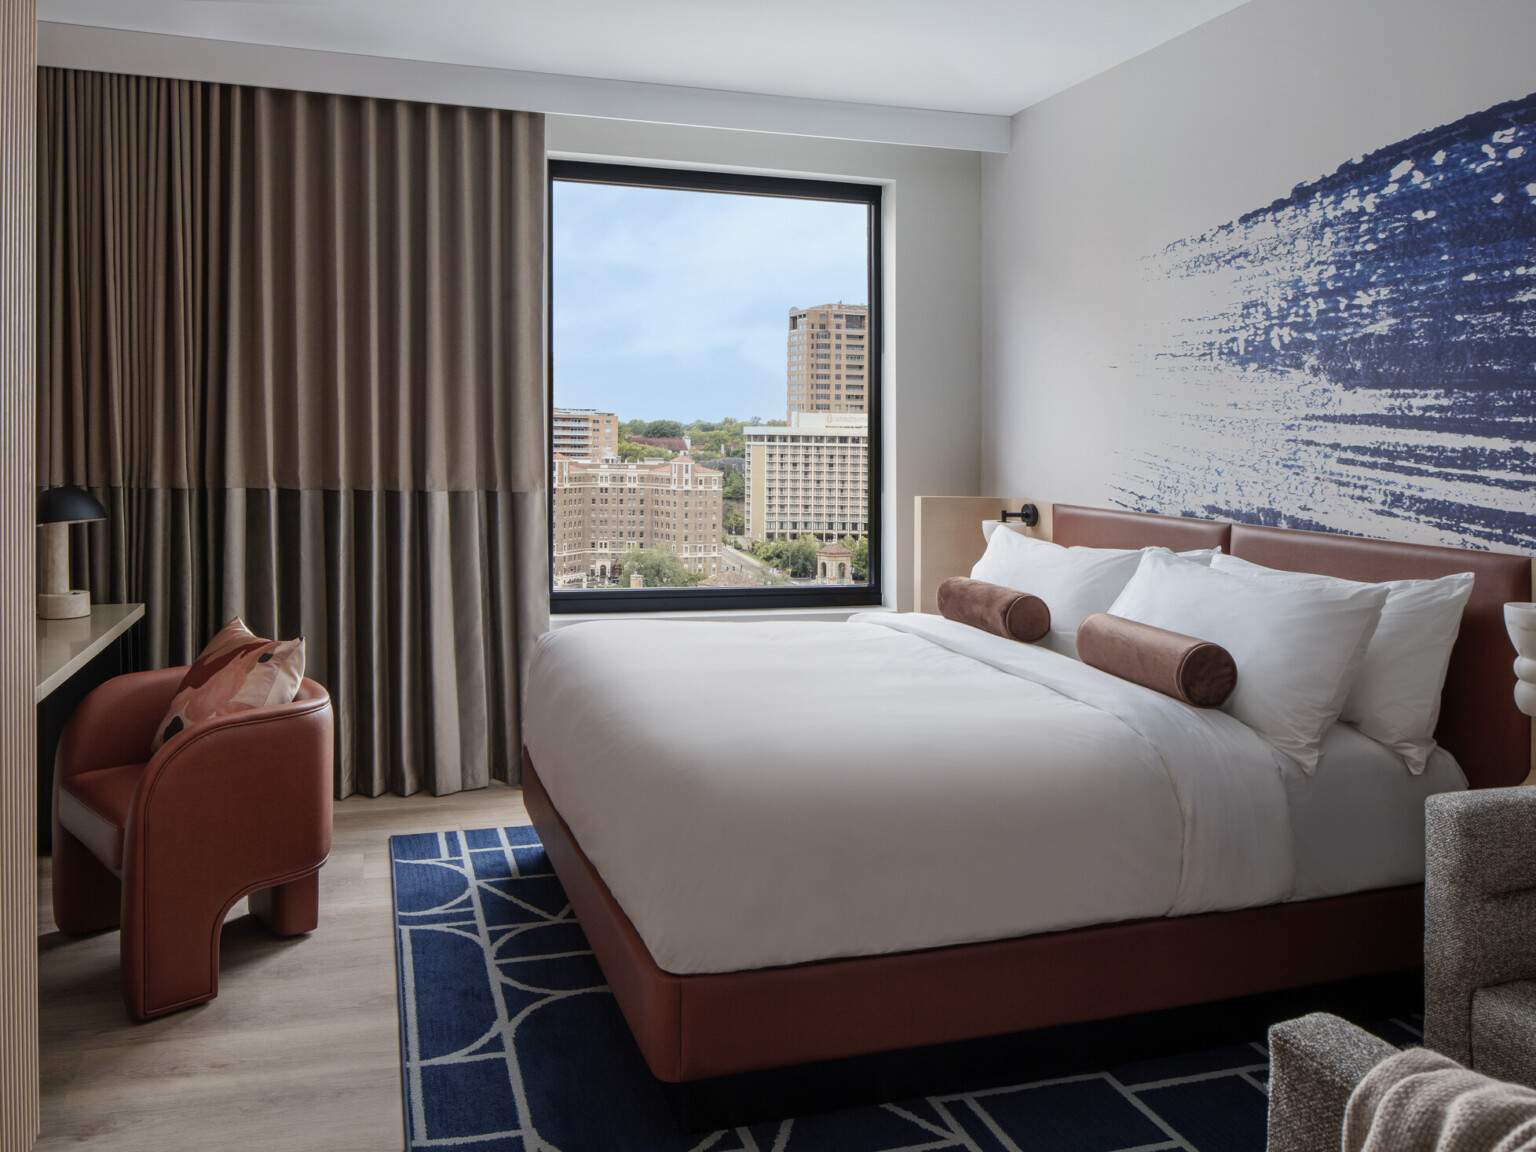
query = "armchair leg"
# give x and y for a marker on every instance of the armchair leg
(87, 897)
(170, 956)
(289, 909)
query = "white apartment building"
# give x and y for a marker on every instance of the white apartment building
(829, 353)
(811, 478)
(585, 433)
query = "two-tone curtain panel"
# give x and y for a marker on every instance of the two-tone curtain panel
(294, 342)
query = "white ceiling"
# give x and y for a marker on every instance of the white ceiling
(979, 56)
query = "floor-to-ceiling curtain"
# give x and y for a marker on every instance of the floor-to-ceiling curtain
(294, 342)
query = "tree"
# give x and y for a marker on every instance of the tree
(735, 522)
(663, 430)
(629, 451)
(802, 556)
(798, 556)
(859, 546)
(658, 566)
(773, 553)
(735, 488)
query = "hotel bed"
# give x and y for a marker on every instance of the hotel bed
(796, 841)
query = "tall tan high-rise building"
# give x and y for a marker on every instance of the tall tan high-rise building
(603, 509)
(585, 433)
(829, 357)
(811, 478)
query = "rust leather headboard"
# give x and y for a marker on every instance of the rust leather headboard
(1072, 525)
(1479, 722)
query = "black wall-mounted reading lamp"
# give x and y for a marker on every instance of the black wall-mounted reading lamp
(1028, 515)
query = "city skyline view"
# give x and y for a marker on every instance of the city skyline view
(673, 304)
(711, 373)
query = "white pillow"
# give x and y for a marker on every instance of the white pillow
(1296, 647)
(1074, 582)
(1310, 580)
(1395, 699)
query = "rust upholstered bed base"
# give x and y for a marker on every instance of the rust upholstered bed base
(693, 1027)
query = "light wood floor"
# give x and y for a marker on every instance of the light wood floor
(301, 1048)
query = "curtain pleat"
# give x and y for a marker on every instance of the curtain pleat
(294, 342)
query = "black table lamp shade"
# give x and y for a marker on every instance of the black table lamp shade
(68, 505)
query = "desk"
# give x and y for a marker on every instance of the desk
(73, 656)
(64, 647)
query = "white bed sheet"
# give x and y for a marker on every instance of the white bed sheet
(765, 794)
(1358, 823)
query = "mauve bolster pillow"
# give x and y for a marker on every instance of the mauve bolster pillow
(1194, 671)
(993, 608)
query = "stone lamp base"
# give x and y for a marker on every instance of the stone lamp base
(63, 605)
(56, 600)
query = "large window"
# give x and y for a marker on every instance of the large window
(715, 352)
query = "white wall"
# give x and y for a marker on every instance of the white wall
(1223, 120)
(932, 268)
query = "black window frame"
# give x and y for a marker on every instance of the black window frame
(570, 601)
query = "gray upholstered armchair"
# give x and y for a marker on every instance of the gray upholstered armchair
(1314, 1064)
(1480, 930)
(1479, 972)
(1336, 1087)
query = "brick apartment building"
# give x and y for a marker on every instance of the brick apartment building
(603, 509)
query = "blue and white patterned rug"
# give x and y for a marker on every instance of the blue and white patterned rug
(511, 1042)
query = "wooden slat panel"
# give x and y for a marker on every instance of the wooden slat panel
(18, 508)
(949, 539)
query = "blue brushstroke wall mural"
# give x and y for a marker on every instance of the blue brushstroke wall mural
(1361, 355)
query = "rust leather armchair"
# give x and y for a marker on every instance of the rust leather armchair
(163, 846)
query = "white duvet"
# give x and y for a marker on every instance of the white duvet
(765, 794)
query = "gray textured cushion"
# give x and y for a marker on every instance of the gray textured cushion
(1314, 1064)
(1504, 1031)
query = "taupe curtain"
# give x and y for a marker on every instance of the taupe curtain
(294, 342)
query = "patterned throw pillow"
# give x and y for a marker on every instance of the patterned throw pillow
(235, 672)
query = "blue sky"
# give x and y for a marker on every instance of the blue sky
(675, 305)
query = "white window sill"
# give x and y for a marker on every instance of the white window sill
(729, 615)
